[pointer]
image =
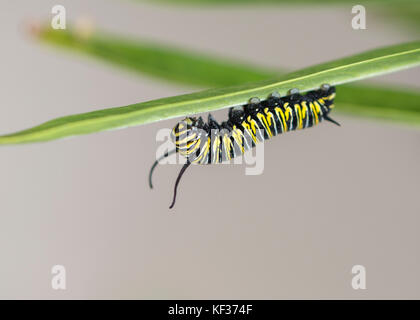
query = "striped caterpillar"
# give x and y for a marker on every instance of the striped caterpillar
(247, 125)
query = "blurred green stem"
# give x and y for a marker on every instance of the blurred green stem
(185, 67)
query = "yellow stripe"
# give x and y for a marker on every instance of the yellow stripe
(269, 115)
(216, 150)
(314, 112)
(248, 128)
(281, 117)
(331, 96)
(304, 109)
(299, 115)
(270, 119)
(321, 106)
(201, 158)
(177, 134)
(254, 126)
(289, 115)
(264, 122)
(227, 144)
(237, 136)
(190, 143)
(191, 150)
(286, 110)
(187, 138)
(305, 112)
(318, 107)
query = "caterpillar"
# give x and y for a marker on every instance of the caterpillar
(247, 125)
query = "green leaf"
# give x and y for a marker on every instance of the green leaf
(379, 103)
(407, 14)
(341, 71)
(402, 11)
(182, 66)
(156, 60)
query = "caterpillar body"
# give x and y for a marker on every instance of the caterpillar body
(211, 143)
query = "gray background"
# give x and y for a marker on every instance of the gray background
(329, 197)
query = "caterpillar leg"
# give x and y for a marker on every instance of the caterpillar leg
(200, 122)
(234, 112)
(275, 95)
(253, 104)
(230, 113)
(325, 87)
(166, 154)
(254, 101)
(293, 91)
(295, 96)
(326, 117)
(213, 124)
(186, 165)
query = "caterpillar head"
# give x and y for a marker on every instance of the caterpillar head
(183, 135)
(328, 91)
(328, 95)
(184, 128)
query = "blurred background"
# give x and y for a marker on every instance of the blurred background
(329, 198)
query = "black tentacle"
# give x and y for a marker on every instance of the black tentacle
(331, 120)
(186, 165)
(166, 154)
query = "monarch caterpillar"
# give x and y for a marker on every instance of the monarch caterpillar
(247, 125)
